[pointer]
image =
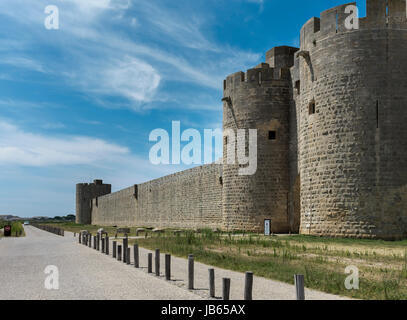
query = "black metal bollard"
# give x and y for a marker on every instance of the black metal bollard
(103, 245)
(98, 242)
(128, 256)
(80, 237)
(212, 283)
(168, 267)
(136, 256)
(114, 248)
(90, 241)
(125, 246)
(191, 272)
(157, 262)
(150, 263)
(94, 242)
(248, 286)
(299, 286)
(225, 288)
(107, 245)
(119, 253)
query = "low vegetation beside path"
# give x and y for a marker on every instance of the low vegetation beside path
(17, 228)
(382, 265)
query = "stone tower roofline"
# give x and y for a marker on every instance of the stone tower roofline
(381, 14)
(95, 182)
(256, 76)
(277, 68)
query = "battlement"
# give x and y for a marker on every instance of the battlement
(85, 193)
(381, 14)
(256, 76)
(281, 57)
(278, 61)
(96, 182)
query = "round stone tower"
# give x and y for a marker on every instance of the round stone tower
(259, 100)
(353, 123)
(85, 192)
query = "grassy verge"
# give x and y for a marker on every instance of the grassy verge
(382, 264)
(16, 228)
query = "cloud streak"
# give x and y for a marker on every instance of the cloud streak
(102, 52)
(18, 147)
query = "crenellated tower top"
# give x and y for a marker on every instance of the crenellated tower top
(278, 62)
(381, 14)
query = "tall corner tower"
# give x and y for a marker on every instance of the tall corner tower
(85, 192)
(258, 99)
(353, 123)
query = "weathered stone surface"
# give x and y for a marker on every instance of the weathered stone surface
(353, 149)
(85, 192)
(331, 142)
(188, 199)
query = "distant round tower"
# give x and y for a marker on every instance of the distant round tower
(85, 192)
(353, 123)
(258, 99)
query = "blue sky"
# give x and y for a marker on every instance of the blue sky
(79, 103)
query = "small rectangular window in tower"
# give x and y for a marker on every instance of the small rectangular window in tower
(272, 135)
(226, 140)
(298, 86)
(311, 107)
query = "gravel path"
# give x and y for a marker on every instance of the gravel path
(263, 289)
(83, 272)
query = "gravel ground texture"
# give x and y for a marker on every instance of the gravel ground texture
(86, 274)
(263, 289)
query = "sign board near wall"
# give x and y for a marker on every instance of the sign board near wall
(7, 231)
(267, 227)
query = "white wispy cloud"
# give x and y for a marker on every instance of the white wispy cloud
(12, 103)
(105, 59)
(23, 62)
(53, 125)
(22, 148)
(131, 78)
(18, 147)
(175, 26)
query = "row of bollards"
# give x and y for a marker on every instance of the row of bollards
(248, 288)
(122, 253)
(52, 229)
